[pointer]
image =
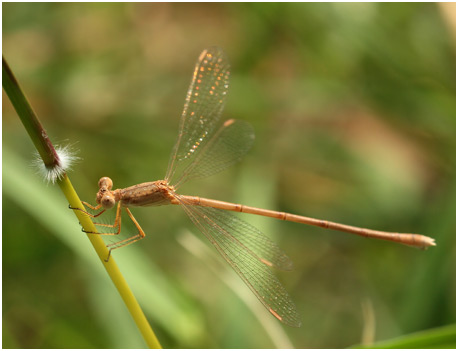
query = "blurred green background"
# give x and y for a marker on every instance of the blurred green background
(354, 111)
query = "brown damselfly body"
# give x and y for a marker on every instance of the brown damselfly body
(203, 149)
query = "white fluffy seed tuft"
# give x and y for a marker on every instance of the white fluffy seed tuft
(67, 158)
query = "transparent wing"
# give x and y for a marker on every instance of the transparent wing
(228, 145)
(238, 253)
(203, 106)
(249, 238)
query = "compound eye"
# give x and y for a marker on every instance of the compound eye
(105, 182)
(108, 201)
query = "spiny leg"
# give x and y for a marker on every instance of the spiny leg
(87, 204)
(116, 224)
(91, 207)
(128, 241)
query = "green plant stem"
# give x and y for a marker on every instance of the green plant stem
(110, 266)
(51, 159)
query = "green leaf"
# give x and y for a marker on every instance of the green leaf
(437, 338)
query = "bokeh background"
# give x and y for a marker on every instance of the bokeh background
(354, 111)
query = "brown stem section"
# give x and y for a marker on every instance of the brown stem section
(28, 117)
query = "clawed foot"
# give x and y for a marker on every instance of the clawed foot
(87, 231)
(90, 232)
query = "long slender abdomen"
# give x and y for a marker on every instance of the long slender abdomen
(415, 240)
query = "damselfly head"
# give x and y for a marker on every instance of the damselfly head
(106, 183)
(105, 196)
